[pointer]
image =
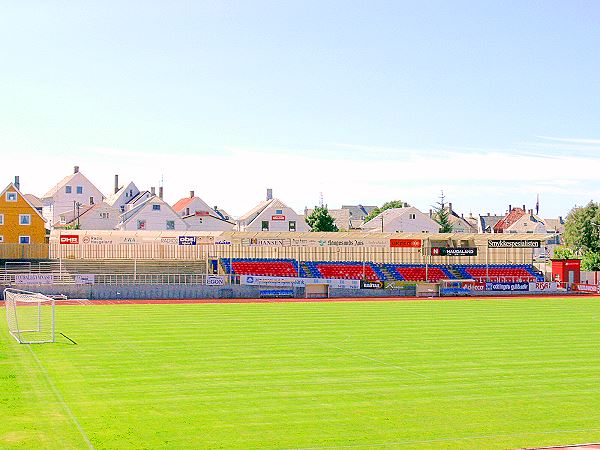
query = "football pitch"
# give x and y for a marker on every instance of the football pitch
(407, 374)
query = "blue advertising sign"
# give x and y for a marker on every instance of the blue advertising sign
(187, 240)
(507, 287)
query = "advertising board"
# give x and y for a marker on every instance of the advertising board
(523, 243)
(85, 278)
(215, 280)
(34, 278)
(406, 243)
(69, 239)
(371, 284)
(446, 251)
(507, 287)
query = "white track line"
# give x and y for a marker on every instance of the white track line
(62, 400)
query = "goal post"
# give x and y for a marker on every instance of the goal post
(30, 316)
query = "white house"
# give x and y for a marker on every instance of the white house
(402, 220)
(123, 195)
(528, 223)
(272, 215)
(71, 191)
(152, 214)
(207, 222)
(100, 216)
(192, 205)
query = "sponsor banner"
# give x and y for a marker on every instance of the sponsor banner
(345, 243)
(400, 285)
(215, 280)
(371, 284)
(85, 278)
(258, 280)
(34, 278)
(278, 217)
(277, 293)
(222, 242)
(586, 288)
(97, 240)
(202, 213)
(504, 243)
(543, 286)
(187, 240)
(507, 287)
(69, 239)
(169, 240)
(476, 287)
(259, 242)
(406, 243)
(129, 240)
(447, 251)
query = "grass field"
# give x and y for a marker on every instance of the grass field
(423, 374)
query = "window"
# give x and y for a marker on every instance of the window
(141, 224)
(91, 200)
(155, 207)
(265, 225)
(187, 211)
(80, 189)
(1, 239)
(104, 215)
(412, 216)
(24, 219)
(170, 224)
(278, 211)
(292, 225)
(1, 219)
(24, 239)
(68, 189)
(122, 208)
(11, 196)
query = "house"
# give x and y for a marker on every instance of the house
(151, 214)
(207, 222)
(509, 219)
(73, 190)
(123, 197)
(272, 215)
(357, 213)
(189, 206)
(100, 216)
(402, 220)
(488, 222)
(20, 221)
(527, 223)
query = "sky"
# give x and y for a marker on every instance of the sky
(363, 101)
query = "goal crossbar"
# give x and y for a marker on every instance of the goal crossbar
(30, 316)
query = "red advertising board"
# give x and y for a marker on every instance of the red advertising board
(278, 217)
(405, 243)
(202, 213)
(69, 239)
(585, 288)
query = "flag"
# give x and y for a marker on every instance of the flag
(537, 205)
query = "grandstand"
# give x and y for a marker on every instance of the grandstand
(414, 272)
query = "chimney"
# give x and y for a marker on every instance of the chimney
(153, 190)
(509, 208)
(524, 208)
(160, 192)
(430, 212)
(488, 214)
(17, 182)
(76, 169)
(269, 194)
(116, 183)
(560, 219)
(450, 206)
(191, 194)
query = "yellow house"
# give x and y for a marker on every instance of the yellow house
(20, 222)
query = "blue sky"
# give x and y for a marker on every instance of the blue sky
(493, 102)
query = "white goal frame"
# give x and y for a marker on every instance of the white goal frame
(41, 319)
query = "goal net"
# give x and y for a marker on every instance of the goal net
(30, 316)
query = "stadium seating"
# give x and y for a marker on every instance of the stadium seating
(265, 267)
(351, 270)
(418, 272)
(500, 272)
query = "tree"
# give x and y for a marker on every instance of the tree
(386, 205)
(563, 252)
(582, 228)
(591, 261)
(321, 220)
(442, 215)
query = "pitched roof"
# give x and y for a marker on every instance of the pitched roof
(510, 218)
(33, 200)
(391, 214)
(58, 186)
(24, 198)
(357, 212)
(180, 205)
(488, 222)
(257, 210)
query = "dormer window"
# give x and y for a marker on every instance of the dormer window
(155, 207)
